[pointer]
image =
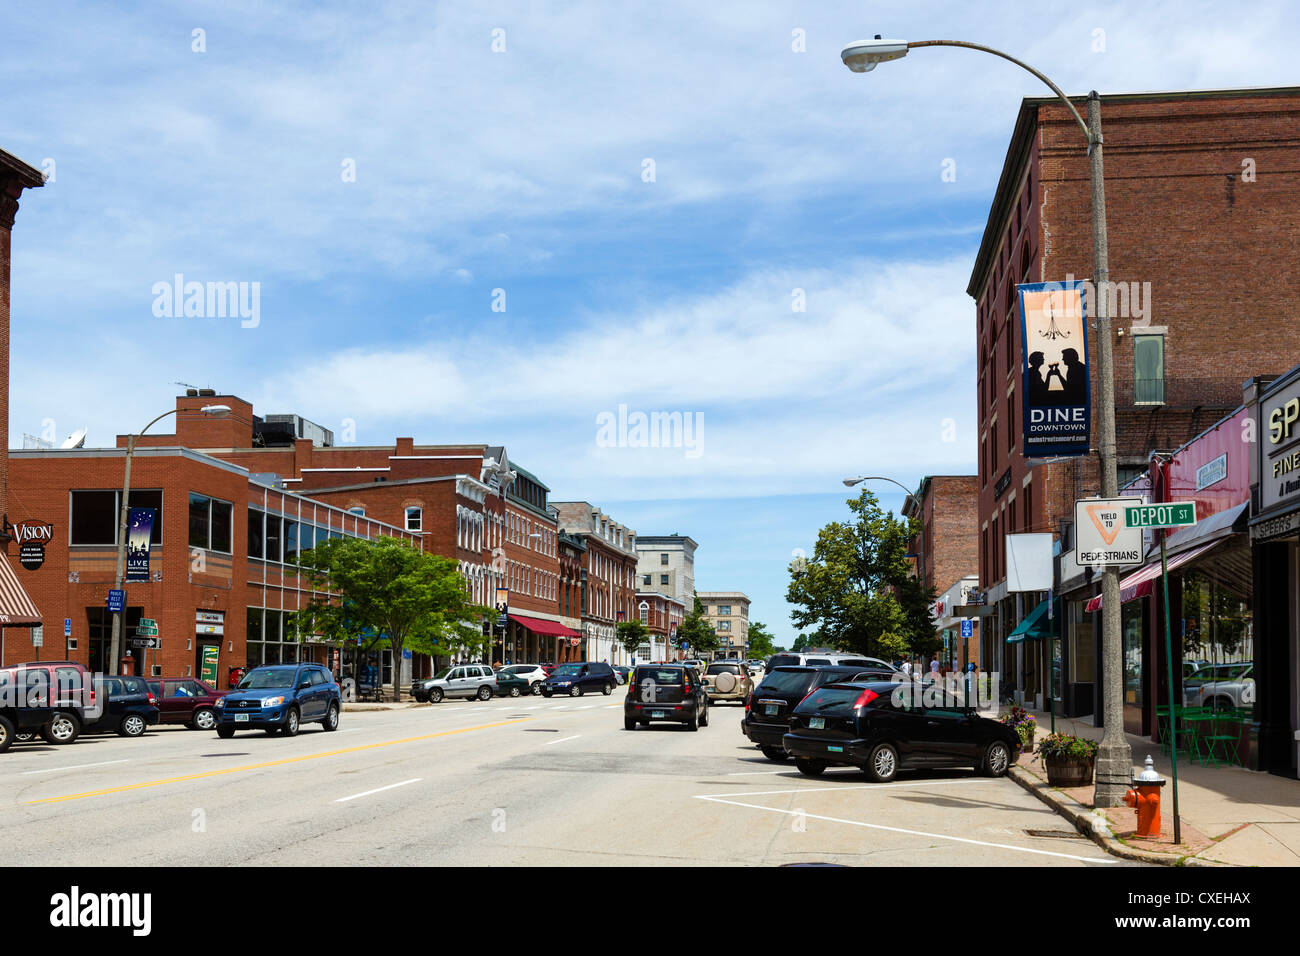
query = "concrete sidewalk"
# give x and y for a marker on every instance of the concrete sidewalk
(1230, 815)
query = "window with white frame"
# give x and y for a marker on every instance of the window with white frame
(414, 518)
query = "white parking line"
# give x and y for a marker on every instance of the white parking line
(878, 826)
(379, 790)
(561, 740)
(80, 766)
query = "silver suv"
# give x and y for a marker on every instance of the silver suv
(728, 680)
(472, 681)
(1221, 686)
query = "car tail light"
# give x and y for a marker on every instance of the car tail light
(153, 701)
(748, 701)
(866, 697)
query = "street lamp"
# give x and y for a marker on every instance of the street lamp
(115, 648)
(1114, 757)
(850, 482)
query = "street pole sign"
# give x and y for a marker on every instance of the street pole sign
(116, 600)
(1104, 535)
(148, 642)
(1171, 514)
(967, 628)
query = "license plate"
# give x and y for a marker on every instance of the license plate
(836, 750)
(241, 718)
(772, 709)
(656, 713)
(816, 723)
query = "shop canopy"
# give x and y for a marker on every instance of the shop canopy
(1036, 624)
(539, 626)
(16, 608)
(1142, 582)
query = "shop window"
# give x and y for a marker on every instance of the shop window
(1149, 369)
(210, 523)
(95, 515)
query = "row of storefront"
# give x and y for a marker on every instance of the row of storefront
(1233, 594)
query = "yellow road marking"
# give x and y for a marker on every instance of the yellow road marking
(272, 763)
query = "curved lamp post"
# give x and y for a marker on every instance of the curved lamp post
(115, 648)
(1115, 757)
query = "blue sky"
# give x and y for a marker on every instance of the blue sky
(775, 169)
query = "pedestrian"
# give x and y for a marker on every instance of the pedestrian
(907, 668)
(934, 668)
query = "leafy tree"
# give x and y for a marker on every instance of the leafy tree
(696, 631)
(800, 643)
(760, 641)
(858, 589)
(389, 595)
(632, 634)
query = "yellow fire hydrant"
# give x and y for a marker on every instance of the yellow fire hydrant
(1144, 797)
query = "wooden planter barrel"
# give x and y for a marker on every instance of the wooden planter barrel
(1068, 771)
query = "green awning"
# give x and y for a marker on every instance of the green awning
(1036, 625)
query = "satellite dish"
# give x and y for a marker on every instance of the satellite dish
(76, 440)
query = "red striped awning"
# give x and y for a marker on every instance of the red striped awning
(539, 626)
(16, 607)
(1143, 581)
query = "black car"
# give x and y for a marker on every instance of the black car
(578, 678)
(22, 713)
(666, 692)
(768, 710)
(130, 708)
(883, 727)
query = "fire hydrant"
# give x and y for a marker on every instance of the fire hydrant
(1144, 797)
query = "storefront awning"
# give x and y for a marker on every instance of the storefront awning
(1142, 582)
(1036, 624)
(16, 608)
(539, 626)
(1214, 528)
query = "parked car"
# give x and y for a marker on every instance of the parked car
(279, 698)
(1221, 686)
(129, 709)
(512, 685)
(867, 725)
(666, 692)
(728, 680)
(19, 712)
(471, 681)
(578, 678)
(66, 688)
(622, 672)
(769, 707)
(695, 662)
(533, 673)
(184, 700)
(827, 660)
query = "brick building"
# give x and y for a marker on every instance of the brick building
(947, 546)
(607, 576)
(662, 614)
(727, 612)
(1201, 188)
(16, 607)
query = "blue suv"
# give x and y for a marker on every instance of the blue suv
(279, 698)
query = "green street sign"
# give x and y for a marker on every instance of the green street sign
(148, 622)
(1173, 514)
(147, 631)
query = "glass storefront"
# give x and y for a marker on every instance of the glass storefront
(1218, 642)
(1132, 616)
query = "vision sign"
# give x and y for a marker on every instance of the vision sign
(32, 537)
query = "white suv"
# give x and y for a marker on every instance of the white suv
(533, 673)
(465, 680)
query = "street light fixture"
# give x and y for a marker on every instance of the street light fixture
(1114, 757)
(850, 482)
(115, 647)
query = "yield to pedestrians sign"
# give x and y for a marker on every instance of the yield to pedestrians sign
(1104, 534)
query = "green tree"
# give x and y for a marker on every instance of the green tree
(696, 631)
(389, 595)
(632, 634)
(858, 589)
(760, 641)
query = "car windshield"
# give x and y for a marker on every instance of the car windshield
(267, 677)
(568, 670)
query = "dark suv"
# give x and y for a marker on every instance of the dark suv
(65, 688)
(671, 692)
(768, 709)
(129, 708)
(279, 698)
(22, 714)
(577, 678)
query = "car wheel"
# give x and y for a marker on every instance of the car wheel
(132, 726)
(772, 753)
(225, 733)
(997, 759)
(63, 729)
(607, 689)
(812, 768)
(435, 695)
(331, 721)
(537, 689)
(484, 692)
(694, 722)
(291, 723)
(704, 716)
(6, 734)
(204, 719)
(629, 723)
(882, 765)
(575, 691)
(514, 691)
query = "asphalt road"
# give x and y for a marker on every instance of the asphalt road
(505, 782)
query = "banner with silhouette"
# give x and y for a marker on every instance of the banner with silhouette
(1057, 396)
(139, 531)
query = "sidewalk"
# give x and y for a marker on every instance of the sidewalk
(1230, 815)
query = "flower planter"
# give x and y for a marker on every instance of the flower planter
(1068, 771)
(1027, 739)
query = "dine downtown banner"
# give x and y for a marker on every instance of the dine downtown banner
(139, 531)
(1057, 396)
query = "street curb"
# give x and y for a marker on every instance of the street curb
(404, 705)
(1086, 823)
